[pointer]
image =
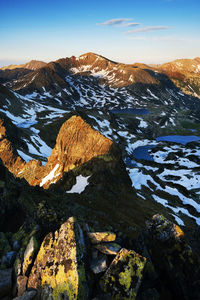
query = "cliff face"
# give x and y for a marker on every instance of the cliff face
(8, 154)
(76, 144)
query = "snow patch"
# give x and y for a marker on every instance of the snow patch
(81, 183)
(50, 176)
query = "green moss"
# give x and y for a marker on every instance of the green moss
(123, 277)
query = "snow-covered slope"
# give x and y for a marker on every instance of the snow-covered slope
(109, 96)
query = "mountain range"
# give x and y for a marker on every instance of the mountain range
(112, 145)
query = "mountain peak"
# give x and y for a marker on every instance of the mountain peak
(76, 144)
(31, 65)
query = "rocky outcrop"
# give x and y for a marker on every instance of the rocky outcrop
(173, 258)
(68, 266)
(98, 237)
(123, 278)
(70, 151)
(60, 263)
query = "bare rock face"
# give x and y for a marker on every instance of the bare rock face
(59, 264)
(76, 144)
(8, 154)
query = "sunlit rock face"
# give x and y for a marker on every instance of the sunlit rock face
(76, 144)
(60, 265)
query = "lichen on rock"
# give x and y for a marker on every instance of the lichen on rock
(98, 237)
(123, 277)
(60, 265)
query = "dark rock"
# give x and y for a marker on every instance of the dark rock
(150, 294)
(16, 245)
(174, 260)
(28, 295)
(99, 264)
(108, 248)
(103, 297)
(4, 245)
(10, 258)
(5, 282)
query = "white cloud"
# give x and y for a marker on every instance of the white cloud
(112, 22)
(131, 24)
(147, 29)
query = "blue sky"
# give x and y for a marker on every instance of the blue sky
(150, 31)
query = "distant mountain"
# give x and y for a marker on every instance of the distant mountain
(95, 81)
(89, 64)
(107, 95)
(185, 73)
(31, 65)
(14, 72)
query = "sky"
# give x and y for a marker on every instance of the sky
(128, 31)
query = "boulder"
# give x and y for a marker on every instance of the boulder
(5, 282)
(21, 284)
(60, 263)
(29, 255)
(108, 248)
(123, 278)
(99, 264)
(173, 258)
(99, 237)
(28, 295)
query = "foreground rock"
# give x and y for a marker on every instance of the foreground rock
(5, 282)
(123, 277)
(28, 295)
(98, 237)
(108, 248)
(173, 258)
(59, 264)
(29, 255)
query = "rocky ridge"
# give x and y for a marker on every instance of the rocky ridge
(185, 74)
(31, 65)
(67, 266)
(69, 152)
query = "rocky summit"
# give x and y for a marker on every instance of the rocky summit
(99, 180)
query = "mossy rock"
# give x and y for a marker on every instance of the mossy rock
(123, 277)
(174, 260)
(60, 263)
